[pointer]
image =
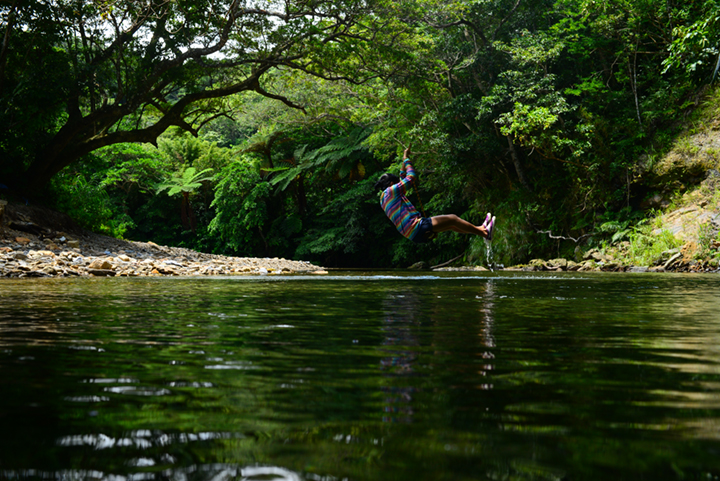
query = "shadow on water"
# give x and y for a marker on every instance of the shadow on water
(361, 375)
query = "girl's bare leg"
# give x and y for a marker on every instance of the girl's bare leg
(442, 223)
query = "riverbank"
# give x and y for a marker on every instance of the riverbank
(681, 236)
(37, 242)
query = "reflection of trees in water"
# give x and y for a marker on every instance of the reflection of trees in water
(402, 325)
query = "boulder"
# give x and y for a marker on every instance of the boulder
(587, 266)
(596, 255)
(538, 265)
(101, 272)
(166, 270)
(101, 264)
(559, 263)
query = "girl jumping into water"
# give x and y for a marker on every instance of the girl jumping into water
(408, 220)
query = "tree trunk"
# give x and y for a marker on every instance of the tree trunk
(301, 196)
(4, 48)
(185, 204)
(518, 166)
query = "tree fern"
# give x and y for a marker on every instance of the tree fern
(185, 181)
(341, 156)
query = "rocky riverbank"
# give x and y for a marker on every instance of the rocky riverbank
(35, 242)
(673, 260)
(685, 238)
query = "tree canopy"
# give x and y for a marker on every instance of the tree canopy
(76, 76)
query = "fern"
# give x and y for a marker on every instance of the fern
(287, 176)
(185, 180)
(342, 155)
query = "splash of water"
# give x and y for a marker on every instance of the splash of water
(489, 254)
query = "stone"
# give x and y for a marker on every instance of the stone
(58, 254)
(101, 272)
(31, 273)
(100, 264)
(638, 269)
(538, 264)
(598, 256)
(560, 262)
(166, 270)
(418, 266)
(587, 266)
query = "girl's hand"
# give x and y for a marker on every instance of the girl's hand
(406, 153)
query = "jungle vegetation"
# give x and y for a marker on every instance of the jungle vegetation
(258, 128)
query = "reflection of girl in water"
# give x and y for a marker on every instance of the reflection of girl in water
(398, 365)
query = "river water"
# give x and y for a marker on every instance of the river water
(361, 376)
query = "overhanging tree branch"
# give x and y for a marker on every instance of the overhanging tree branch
(136, 69)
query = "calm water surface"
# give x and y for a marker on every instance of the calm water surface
(396, 376)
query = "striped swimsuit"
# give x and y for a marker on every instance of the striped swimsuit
(398, 208)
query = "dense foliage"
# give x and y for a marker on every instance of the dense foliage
(272, 126)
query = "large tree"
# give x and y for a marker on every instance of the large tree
(78, 75)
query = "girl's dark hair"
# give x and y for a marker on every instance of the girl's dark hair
(385, 181)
